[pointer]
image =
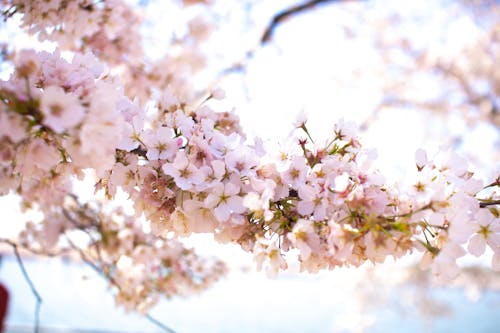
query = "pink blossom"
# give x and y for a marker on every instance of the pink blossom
(61, 110)
(225, 199)
(160, 144)
(487, 233)
(185, 174)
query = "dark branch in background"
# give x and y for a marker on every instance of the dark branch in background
(278, 19)
(287, 13)
(30, 283)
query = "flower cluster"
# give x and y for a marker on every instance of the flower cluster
(109, 28)
(140, 267)
(189, 170)
(58, 117)
(453, 216)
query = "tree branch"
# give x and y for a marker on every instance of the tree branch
(489, 203)
(31, 285)
(286, 14)
(103, 272)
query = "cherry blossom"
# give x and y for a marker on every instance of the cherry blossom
(61, 111)
(487, 233)
(225, 199)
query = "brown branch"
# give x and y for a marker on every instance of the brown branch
(286, 14)
(489, 203)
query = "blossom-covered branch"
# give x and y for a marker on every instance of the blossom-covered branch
(189, 169)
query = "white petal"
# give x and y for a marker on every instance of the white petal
(231, 189)
(307, 193)
(494, 241)
(222, 213)
(477, 245)
(495, 262)
(305, 207)
(236, 204)
(420, 158)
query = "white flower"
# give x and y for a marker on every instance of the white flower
(185, 174)
(487, 232)
(160, 144)
(345, 130)
(201, 219)
(312, 202)
(242, 160)
(420, 159)
(180, 121)
(131, 133)
(269, 253)
(61, 111)
(218, 94)
(449, 160)
(41, 154)
(13, 126)
(444, 265)
(304, 238)
(124, 175)
(297, 172)
(300, 119)
(225, 200)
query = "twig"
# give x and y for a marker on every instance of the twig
(159, 324)
(493, 184)
(31, 285)
(489, 203)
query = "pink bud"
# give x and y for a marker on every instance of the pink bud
(179, 142)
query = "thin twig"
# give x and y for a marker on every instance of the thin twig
(31, 285)
(489, 203)
(159, 324)
(493, 184)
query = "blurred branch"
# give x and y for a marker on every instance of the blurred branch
(103, 269)
(278, 19)
(38, 298)
(159, 324)
(285, 14)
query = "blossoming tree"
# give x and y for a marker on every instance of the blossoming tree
(95, 107)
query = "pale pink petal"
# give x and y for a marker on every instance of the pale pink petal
(222, 213)
(495, 262)
(477, 245)
(305, 207)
